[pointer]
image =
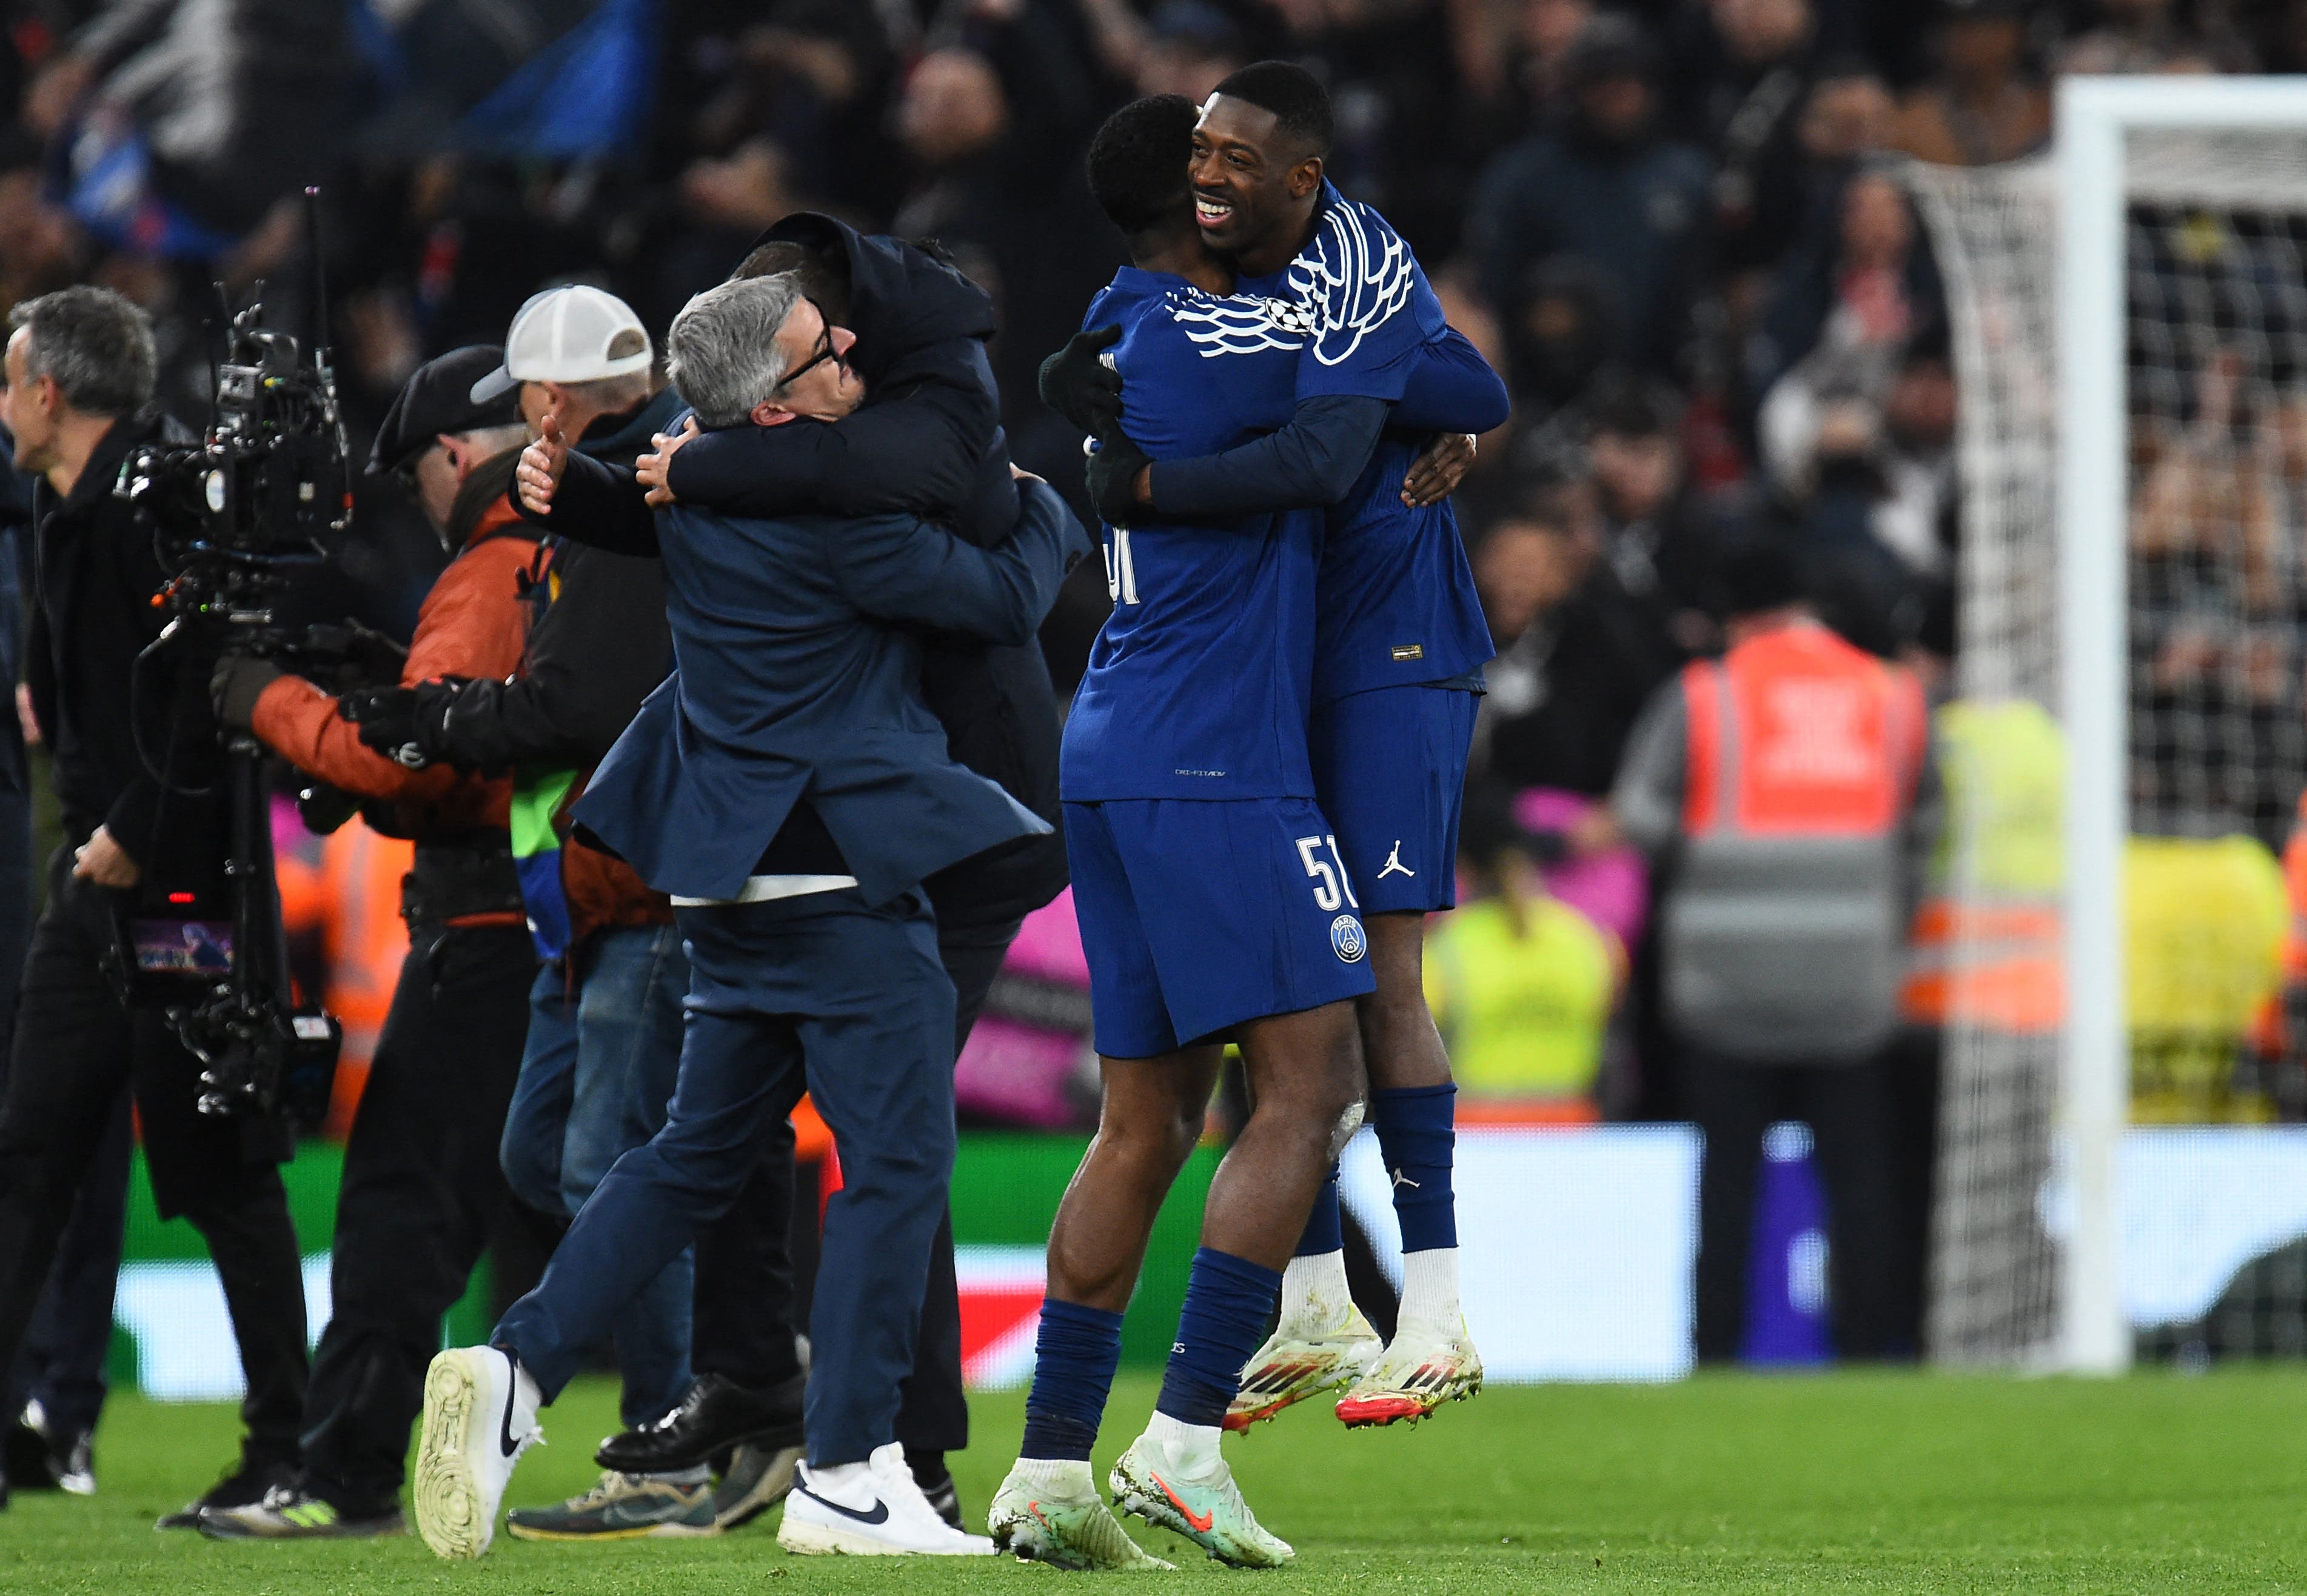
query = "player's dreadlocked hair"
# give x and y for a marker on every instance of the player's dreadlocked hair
(1299, 103)
(1137, 161)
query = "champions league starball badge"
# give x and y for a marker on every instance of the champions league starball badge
(1346, 938)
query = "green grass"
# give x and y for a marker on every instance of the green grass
(1843, 1482)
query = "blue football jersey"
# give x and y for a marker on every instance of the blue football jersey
(1199, 684)
(1396, 602)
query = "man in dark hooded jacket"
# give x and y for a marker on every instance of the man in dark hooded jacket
(928, 440)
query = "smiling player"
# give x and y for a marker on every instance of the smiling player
(1400, 647)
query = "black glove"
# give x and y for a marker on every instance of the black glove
(1112, 477)
(387, 719)
(1078, 385)
(323, 808)
(236, 685)
(371, 659)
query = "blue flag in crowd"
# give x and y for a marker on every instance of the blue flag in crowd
(586, 94)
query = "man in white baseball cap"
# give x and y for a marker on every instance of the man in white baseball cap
(577, 352)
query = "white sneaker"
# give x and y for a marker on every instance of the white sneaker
(1047, 1511)
(871, 1510)
(480, 1415)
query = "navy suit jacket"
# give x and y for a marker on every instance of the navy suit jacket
(795, 674)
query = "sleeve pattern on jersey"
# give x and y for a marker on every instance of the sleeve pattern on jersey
(1353, 278)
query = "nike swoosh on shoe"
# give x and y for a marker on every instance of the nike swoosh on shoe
(879, 1515)
(512, 1394)
(1201, 1521)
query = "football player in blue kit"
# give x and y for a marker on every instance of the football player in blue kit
(1212, 899)
(1397, 672)
(1211, 904)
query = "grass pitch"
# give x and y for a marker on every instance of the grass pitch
(1844, 1482)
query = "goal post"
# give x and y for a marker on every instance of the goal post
(2159, 239)
(2096, 118)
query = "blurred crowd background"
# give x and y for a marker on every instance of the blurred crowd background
(1669, 223)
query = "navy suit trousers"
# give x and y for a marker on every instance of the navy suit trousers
(854, 998)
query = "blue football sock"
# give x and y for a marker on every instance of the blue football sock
(1418, 1137)
(1229, 1302)
(1075, 1353)
(1326, 1228)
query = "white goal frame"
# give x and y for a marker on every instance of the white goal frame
(2094, 116)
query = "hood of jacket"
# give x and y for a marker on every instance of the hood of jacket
(901, 297)
(623, 437)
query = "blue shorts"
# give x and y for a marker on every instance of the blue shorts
(1198, 914)
(1390, 767)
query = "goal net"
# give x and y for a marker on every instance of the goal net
(2128, 740)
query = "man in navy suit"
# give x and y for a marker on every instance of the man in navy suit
(789, 790)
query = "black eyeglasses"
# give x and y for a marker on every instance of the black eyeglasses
(825, 352)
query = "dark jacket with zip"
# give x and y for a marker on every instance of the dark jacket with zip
(928, 440)
(95, 581)
(597, 644)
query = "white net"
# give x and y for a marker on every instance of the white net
(2217, 542)
(1993, 1270)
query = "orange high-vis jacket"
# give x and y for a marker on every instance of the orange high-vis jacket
(1797, 733)
(1784, 933)
(346, 890)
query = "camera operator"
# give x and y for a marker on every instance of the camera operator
(421, 1180)
(605, 1012)
(79, 373)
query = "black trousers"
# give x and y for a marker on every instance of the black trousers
(61, 1364)
(1847, 1107)
(747, 1299)
(422, 1188)
(77, 1049)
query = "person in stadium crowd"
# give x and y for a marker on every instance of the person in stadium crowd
(422, 1185)
(80, 374)
(926, 440)
(1602, 185)
(791, 792)
(1392, 612)
(1789, 790)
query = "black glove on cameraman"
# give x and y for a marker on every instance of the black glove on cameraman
(406, 725)
(1078, 385)
(236, 685)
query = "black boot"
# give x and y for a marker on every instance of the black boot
(716, 1416)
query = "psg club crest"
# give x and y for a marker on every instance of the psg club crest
(1346, 938)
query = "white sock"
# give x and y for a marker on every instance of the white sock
(848, 1484)
(1055, 1476)
(1193, 1448)
(528, 1397)
(1314, 1294)
(1429, 1289)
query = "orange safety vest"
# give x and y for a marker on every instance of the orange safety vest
(346, 888)
(2294, 881)
(1796, 732)
(1783, 935)
(1994, 966)
(2271, 1034)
